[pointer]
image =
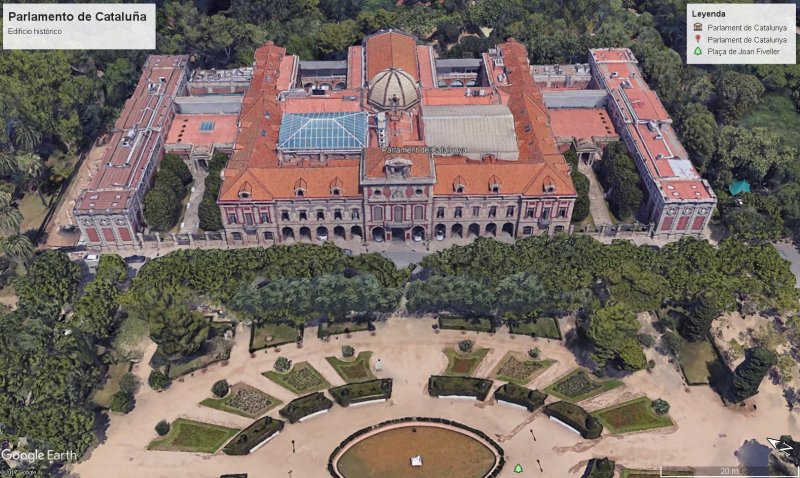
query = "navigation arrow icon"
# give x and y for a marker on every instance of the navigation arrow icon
(780, 446)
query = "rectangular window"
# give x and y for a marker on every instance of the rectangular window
(237, 236)
(398, 214)
(562, 212)
(337, 214)
(264, 218)
(284, 215)
(248, 219)
(510, 211)
(268, 236)
(546, 213)
(231, 218)
(440, 212)
(320, 215)
(419, 212)
(354, 214)
(377, 213)
(493, 211)
(527, 230)
(476, 211)
(530, 212)
(458, 212)
(303, 215)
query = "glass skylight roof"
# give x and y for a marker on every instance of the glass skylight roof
(323, 131)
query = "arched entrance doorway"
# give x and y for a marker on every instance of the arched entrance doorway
(418, 234)
(378, 234)
(287, 234)
(322, 233)
(491, 229)
(457, 231)
(305, 234)
(439, 232)
(338, 233)
(474, 230)
(508, 229)
(356, 233)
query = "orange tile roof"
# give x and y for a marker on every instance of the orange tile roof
(426, 67)
(375, 160)
(580, 123)
(279, 183)
(335, 101)
(186, 129)
(458, 96)
(355, 67)
(527, 179)
(391, 49)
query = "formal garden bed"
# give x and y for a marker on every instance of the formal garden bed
(539, 327)
(521, 396)
(463, 364)
(360, 392)
(467, 387)
(102, 395)
(632, 416)
(516, 368)
(301, 379)
(253, 436)
(576, 418)
(191, 436)
(353, 369)
(577, 386)
(305, 406)
(273, 335)
(327, 329)
(244, 400)
(472, 324)
(699, 362)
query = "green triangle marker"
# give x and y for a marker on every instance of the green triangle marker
(698, 51)
(518, 468)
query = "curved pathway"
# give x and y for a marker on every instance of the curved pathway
(706, 432)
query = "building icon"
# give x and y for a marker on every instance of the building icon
(698, 27)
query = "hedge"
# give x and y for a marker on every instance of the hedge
(305, 406)
(498, 468)
(525, 397)
(362, 391)
(600, 468)
(576, 417)
(443, 386)
(250, 437)
(474, 324)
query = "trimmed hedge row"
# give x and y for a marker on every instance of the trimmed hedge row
(493, 474)
(576, 417)
(305, 406)
(525, 397)
(600, 468)
(362, 391)
(251, 436)
(327, 329)
(443, 386)
(474, 324)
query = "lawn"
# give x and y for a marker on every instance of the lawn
(272, 335)
(301, 379)
(546, 327)
(517, 369)
(461, 364)
(243, 400)
(353, 369)
(697, 361)
(777, 113)
(192, 436)
(475, 324)
(327, 329)
(32, 210)
(102, 395)
(577, 386)
(632, 416)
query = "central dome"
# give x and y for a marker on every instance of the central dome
(393, 89)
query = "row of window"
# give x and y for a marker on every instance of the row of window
(510, 211)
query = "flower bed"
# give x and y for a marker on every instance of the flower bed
(632, 416)
(243, 400)
(516, 369)
(191, 436)
(577, 386)
(443, 386)
(575, 417)
(302, 407)
(462, 364)
(353, 370)
(524, 397)
(362, 392)
(254, 435)
(301, 379)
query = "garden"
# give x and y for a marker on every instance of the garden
(444, 386)
(632, 416)
(473, 324)
(519, 370)
(577, 386)
(540, 327)
(524, 397)
(327, 329)
(301, 379)
(260, 430)
(244, 400)
(362, 391)
(302, 407)
(191, 436)
(576, 417)
(353, 369)
(272, 334)
(463, 364)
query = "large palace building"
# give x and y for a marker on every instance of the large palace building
(392, 144)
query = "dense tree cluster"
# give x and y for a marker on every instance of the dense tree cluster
(96, 309)
(612, 330)
(164, 202)
(208, 212)
(620, 179)
(748, 375)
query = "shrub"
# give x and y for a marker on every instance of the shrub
(220, 388)
(576, 417)
(443, 386)
(251, 436)
(305, 406)
(534, 353)
(162, 428)
(672, 343)
(646, 340)
(121, 402)
(129, 383)
(282, 365)
(362, 391)
(660, 406)
(465, 346)
(530, 399)
(174, 163)
(157, 380)
(348, 351)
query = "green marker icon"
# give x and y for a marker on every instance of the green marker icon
(698, 51)
(518, 468)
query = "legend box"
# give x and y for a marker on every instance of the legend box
(734, 33)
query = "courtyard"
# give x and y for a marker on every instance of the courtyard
(704, 432)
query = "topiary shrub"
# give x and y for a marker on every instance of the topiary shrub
(465, 346)
(348, 351)
(162, 428)
(282, 365)
(534, 353)
(660, 406)
(157, 380)
(220, 388)
(129, 383)
(121, 402)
